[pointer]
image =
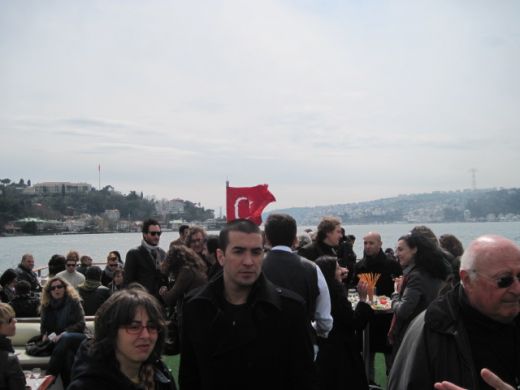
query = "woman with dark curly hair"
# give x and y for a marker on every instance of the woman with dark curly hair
(188, 270)
(125, 352)
(424, 273)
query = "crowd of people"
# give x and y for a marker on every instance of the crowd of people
(253, 309)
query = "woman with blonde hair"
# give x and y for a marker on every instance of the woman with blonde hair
(63, 323)
(11, 374)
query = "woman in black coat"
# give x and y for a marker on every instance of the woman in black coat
(125, 352)
(339, 362)
(63, 323)
(11, 374)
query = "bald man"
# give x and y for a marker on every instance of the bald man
(474, 326)
(375, 261)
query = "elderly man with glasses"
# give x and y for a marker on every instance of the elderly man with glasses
(474, 326)
(143, 264)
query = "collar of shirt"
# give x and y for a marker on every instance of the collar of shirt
(281, 248)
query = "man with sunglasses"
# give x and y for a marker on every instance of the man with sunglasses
(474, 326)
(142, 264)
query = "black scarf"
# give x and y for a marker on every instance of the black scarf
(494, 345)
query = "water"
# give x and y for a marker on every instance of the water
(97, 246)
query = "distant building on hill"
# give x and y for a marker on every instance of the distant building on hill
(58, 187)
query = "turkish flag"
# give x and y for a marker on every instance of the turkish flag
(247, 202)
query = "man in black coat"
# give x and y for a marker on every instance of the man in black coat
(142, 264)
(24, 271)
(327, 240)
(240, 331)
(375, 261)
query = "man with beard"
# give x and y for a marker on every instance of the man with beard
(142, 264)
(375, 261)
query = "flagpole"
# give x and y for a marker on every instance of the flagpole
(99, 177)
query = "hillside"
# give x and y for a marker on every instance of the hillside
(454, 206)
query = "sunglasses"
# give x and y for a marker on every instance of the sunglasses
(502, 281)
(137, 328)
(71, 265)
(113, 258)
(52, 288)
(155, 233)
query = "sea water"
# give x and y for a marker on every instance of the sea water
(97, 246)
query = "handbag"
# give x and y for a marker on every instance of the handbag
(37, 347)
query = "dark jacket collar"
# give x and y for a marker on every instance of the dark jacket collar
(262, 291)
(444, 313)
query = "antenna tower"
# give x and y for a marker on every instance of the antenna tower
(473, 178)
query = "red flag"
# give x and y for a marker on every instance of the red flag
(247, 202)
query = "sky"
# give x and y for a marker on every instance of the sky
(327, 102)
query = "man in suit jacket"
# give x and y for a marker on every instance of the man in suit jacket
(142, 264)
(286, 269)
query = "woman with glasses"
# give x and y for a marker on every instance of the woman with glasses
(11, 374)
(424, 273)
(63, 323)
(125, 352)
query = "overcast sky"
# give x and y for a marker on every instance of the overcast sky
(326, 101)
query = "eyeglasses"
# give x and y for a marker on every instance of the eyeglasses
(52, 288)
(71, 265)
(113, 265)
(155, 233)
(137, 328)
(113, 258)
(501, 281)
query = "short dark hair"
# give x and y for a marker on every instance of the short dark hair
(212, 243)
(119, 310)
(149, 222)
(8, 276)
(93, 273)
(182, 228)
(238, 225)
(56, 264)
(280, 229)
(22, 287)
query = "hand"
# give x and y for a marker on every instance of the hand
(362, 289)
(163, 290)
(489, 377)
(344, 272)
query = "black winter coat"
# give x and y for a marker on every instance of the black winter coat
(339, 362)
(140, 267)
(25, 305)
(29, 276)
(11, 374)
(267, 347)
(67, 316)
(317, 249)
(436, 347)
(93, 298)
(89, 372)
